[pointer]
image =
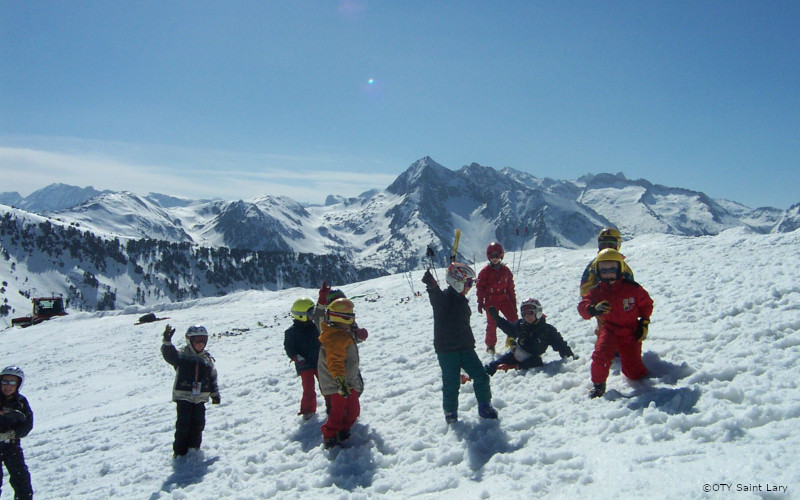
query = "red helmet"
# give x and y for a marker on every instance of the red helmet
(495, 248)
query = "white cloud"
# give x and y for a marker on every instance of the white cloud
(188, 173)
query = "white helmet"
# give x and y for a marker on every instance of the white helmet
(196, 331)
(531, 305)
(16, 371)
(460, 276)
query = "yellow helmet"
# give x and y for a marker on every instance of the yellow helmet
(609, 238)
(609, 255)
(301, 309)
(341, 311)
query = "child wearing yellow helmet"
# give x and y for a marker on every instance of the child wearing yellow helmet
(301, 343)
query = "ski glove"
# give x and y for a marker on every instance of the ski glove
(324, 290)
(299, 359)
(492, 312)
(344, 387)
(600, 308)
(428, 279)
(641, 331)
(361, 334)
(480, 308)
(215, 399)
(168, 333)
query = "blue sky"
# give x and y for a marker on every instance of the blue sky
(308, 98)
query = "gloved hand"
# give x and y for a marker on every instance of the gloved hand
(324, 290)
(215, 399)
(344, 387)
(362, 334)
(299, 359)
(641, 331)
(493, 313)
(7, 436)
(480, 308)
(569, 354)
(600, 308)
(168, 333)
(428, 279)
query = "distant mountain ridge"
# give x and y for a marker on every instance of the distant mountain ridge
(388, 231)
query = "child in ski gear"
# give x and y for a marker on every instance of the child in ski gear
(626, 308)
(16, 421)
(195, 383)
(533, 336)
(338, 367)
(454, 342)
(495, 288)
(326, 296)
(301, 343)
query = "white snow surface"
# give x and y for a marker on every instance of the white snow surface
(721, 410)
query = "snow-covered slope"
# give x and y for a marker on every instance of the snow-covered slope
(722, 406)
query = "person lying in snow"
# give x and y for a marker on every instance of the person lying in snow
(533, 336)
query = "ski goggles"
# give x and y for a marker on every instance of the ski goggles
(603, 270)
(469, 282)
(198, 340)
(607, 242)
(9, 382)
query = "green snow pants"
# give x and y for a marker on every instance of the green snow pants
(451, 364)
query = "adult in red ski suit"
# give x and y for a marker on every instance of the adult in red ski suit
(626, 308)
(495, 288)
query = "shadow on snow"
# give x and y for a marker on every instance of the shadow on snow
(484, 439)
(186, 470)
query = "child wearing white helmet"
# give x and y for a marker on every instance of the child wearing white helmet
(533, 336)
(195, 383)
(16, 421)
(454, 341)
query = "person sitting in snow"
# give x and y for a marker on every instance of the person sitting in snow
(339, 370)
(454, 342)
(301, 343)
(533, 336)
(626, 308)
(495, 288)
(195, 382)
(16, 421)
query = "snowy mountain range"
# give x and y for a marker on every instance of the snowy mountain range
(388, 231)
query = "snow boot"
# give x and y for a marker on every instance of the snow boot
(490, 349)
(485, 410)
(343, 435)
(451, 416)
(491, 368)
(329, 443)
(597, 391)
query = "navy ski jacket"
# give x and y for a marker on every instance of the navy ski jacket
(451, 329)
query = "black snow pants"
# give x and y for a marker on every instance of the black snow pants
(189, 426)
(19, 477)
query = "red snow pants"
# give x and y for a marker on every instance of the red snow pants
(308, 403)
(508, 309)
(344, 413)
(630, 354)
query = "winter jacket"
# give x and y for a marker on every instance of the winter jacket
(17, 418)
(191, 367)
(629, 302)
(495, 286)
(451, 329)
(535, 338)
(589, 278)
(338, 356)
(302, 339)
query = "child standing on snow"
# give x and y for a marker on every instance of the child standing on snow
(16, 421)
(454, 342)
(195, 382)
(533, 336)
(301, 342)
(495, 288)
(625, 308)
(338, 367)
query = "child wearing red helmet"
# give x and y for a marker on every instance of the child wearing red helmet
(495, 288)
